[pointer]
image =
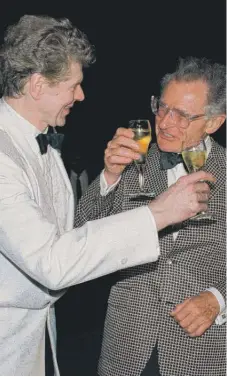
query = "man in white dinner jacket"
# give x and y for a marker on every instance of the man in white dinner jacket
(41, 64)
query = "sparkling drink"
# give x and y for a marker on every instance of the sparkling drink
(194, 159)
(143, 137)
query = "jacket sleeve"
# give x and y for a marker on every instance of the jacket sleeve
(100, 247)
(92, 205)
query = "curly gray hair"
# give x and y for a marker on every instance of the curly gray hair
(214, 74)
(41, 44)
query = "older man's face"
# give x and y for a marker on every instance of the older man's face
(190, 98)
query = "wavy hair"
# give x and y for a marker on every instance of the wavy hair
(41, 44)
(213, 74)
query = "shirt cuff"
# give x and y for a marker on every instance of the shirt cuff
(154, 226)
(221, 318)
(104, 187)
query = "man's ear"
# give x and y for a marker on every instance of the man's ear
(36, 85)
(215, 123)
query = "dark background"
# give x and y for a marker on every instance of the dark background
(135, 46)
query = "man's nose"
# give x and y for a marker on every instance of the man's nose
(79, 94)
(167, 120)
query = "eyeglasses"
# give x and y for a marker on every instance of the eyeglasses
(179, 117)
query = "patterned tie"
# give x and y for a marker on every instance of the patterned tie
(53, 139)
(169, 159)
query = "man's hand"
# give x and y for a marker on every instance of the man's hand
(120, 152)
(184, 199)
(197, 313)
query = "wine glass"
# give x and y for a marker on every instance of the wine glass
(142, 134)
(195, 156)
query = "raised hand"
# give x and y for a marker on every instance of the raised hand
(120, 152)
(184, 199)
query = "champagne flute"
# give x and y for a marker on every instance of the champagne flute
(142, 134)
(195, 156)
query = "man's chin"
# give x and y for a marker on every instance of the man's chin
(61, 123)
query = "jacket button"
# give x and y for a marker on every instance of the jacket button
(169, 262)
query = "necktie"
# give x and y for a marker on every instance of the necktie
(78, 167)
(53, 139)
(169, 159)
(78, 187)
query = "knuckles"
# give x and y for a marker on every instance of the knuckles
(109, 144)
(181, 180)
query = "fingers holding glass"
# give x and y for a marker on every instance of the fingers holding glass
(195, 155)
(143, 136)
(120, 152)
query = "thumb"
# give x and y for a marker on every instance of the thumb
(179, 307)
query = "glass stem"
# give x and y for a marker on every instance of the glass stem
(141, 176)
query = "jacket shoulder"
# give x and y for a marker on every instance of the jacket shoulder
(218, 153)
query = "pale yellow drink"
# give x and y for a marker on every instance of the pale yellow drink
(143, 138)
(194, 160)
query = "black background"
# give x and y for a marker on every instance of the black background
(135, 46)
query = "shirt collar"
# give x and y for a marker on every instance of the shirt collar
(208, 144)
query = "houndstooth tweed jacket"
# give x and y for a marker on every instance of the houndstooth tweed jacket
(140, 302)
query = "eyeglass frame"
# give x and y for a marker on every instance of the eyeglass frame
(189, 118)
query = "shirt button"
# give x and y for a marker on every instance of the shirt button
(169, 262)
(124, 260)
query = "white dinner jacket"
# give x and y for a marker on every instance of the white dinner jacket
(41, 253)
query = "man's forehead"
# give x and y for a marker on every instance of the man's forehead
(74, 79)
(75, 73)
(186, 91)
(195, 86)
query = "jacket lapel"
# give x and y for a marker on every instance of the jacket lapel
(11, 126)
(69, 192)
(155, 178)
(155, 181)
(28, 150)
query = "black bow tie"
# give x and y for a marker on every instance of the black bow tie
(169, 159)
(53, 139)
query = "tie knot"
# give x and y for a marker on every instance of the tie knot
(169, 159)
(53, 139)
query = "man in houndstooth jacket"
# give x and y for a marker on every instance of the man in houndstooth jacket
(168, 317)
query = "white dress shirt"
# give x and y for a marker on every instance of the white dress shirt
(173, 175)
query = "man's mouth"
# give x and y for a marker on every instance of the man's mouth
(166, 135)
(68, 108)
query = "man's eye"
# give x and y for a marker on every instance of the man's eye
(162, 107)
(182, 114)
